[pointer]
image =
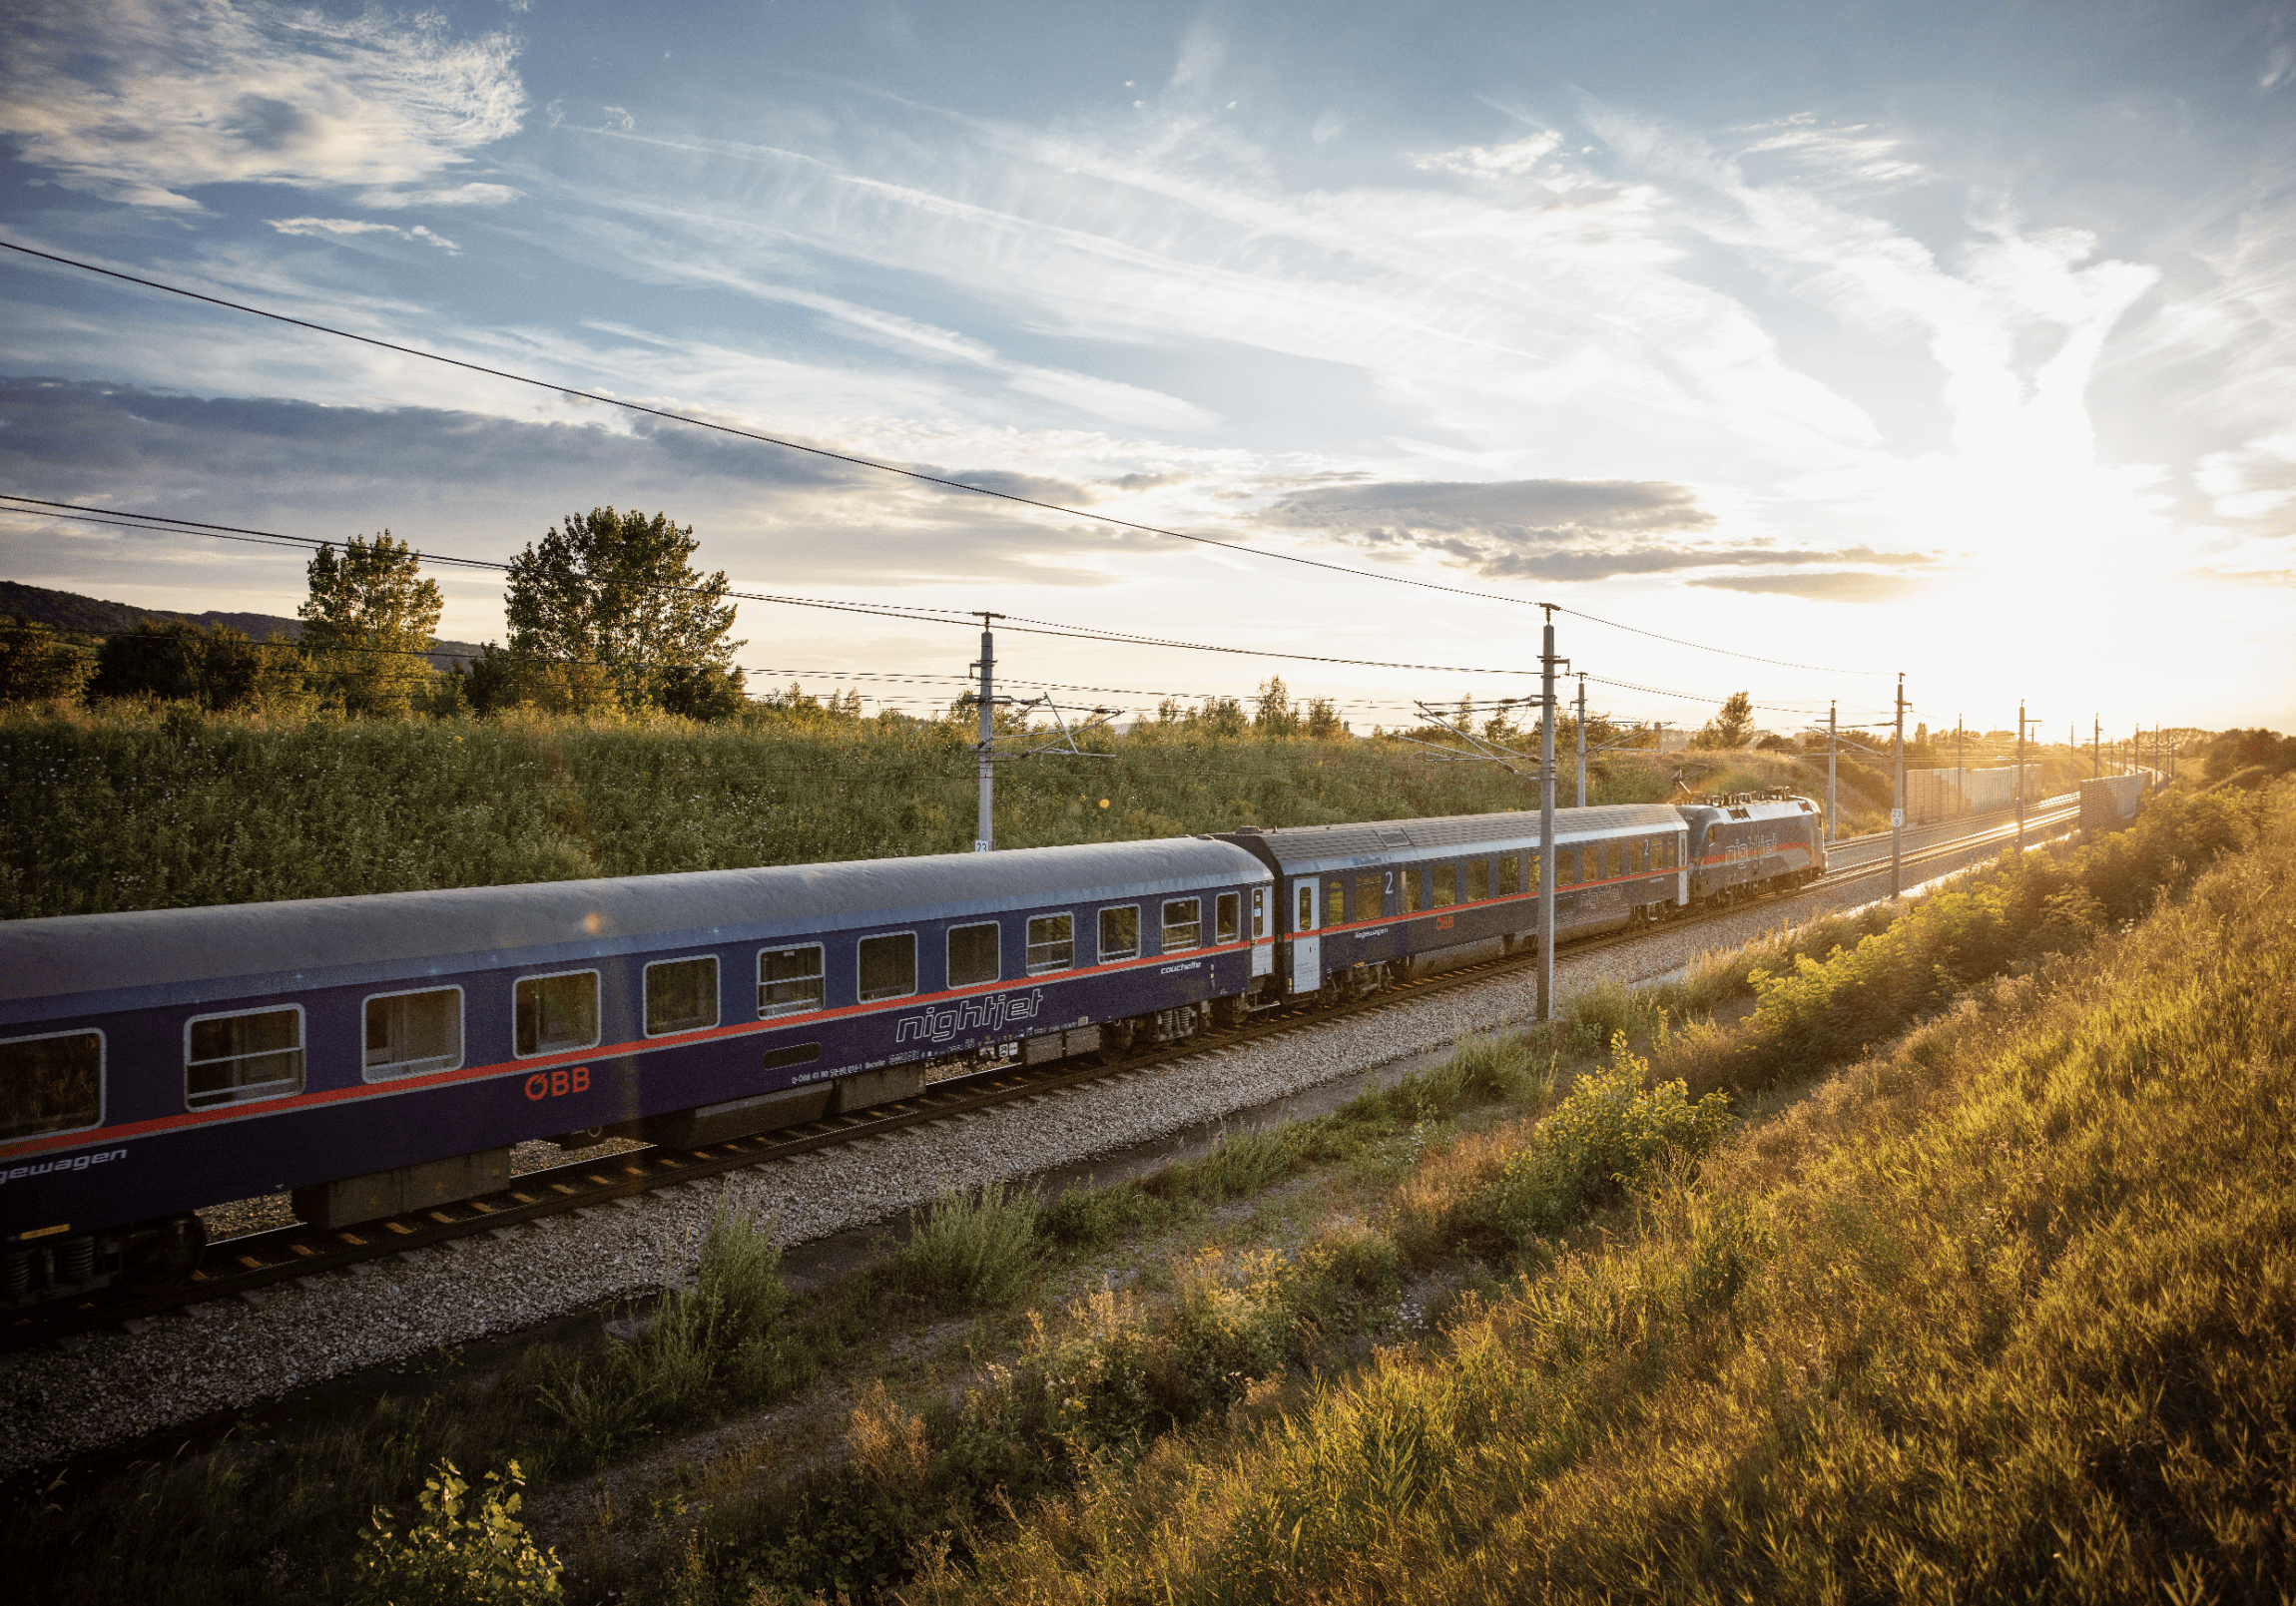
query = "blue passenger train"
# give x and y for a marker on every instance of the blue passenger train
(382, 1054)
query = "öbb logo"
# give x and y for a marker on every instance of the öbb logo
(557, 1084)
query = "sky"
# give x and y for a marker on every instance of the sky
(1786, 347)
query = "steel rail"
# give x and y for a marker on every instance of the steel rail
(244, 1267)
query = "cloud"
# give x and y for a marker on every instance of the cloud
(318, 227)
(773, 518)
(2254, 483)
(1516, 160)
(1841, 156)
(1034, 487)
(1609, 507)
(1553, 530)
(1825, 585)
(473, 194)
(140, 100)
(1545, 529)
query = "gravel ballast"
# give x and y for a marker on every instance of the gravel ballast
(114, 1384)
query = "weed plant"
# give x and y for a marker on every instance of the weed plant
(972, 1248)
(458, 1551)
(721, 1339)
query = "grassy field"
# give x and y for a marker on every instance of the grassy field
(1923, 1254)
(130, 806)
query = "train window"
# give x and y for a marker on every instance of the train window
(1052, 943)
(1507, 885)
(1335, 903)
(1182, 923)
(681, 995)
(557, 1014)
(412, 1033)
(1445, 884)
(257, 1055)
(1371, 898)
(50, 1083)
(972, 955)
(1119, 933)
(1673, 852)
(1566, 867)
(789, 981)
(1306, 919)
(1530, 868)
(888, 967)
(1477, 881)
(1409, 876)
(1259, 911)
(1227, 916)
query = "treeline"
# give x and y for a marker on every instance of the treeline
(606, 614)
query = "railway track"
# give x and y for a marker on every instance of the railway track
(253, 1261)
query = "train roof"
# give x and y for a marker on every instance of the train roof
(1712, 810)
(191, 954)
(1309, 849)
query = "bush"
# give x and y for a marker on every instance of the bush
(972, 1248)
(1600, 1139)
(37, 666)
(720, 1334)
(457, 1553)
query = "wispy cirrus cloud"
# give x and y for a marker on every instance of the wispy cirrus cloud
(142, 101)
(345, 228)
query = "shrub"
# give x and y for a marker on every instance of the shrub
(719, 1333)
(459, 1552)
(1091, 1218)
(1600, 1141)
(971, 1248)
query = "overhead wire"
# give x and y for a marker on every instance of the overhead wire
(875, 465)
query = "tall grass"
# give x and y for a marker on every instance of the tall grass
(2007, 1312)
(977, 1248)
(718, 1337)
(1824, 993)
(140, 806)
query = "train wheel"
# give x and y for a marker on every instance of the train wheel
(1116, 1039)
(167, 1257)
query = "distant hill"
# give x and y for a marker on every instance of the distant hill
(68, 610)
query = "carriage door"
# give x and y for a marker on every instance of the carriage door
(1307, 946)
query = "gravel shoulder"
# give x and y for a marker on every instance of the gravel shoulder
(109, 1386)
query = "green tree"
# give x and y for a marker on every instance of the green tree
(36, 665)
(1731, 724)
(619, 591)
(215, 667)
(369, 619)
(1273, 712)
